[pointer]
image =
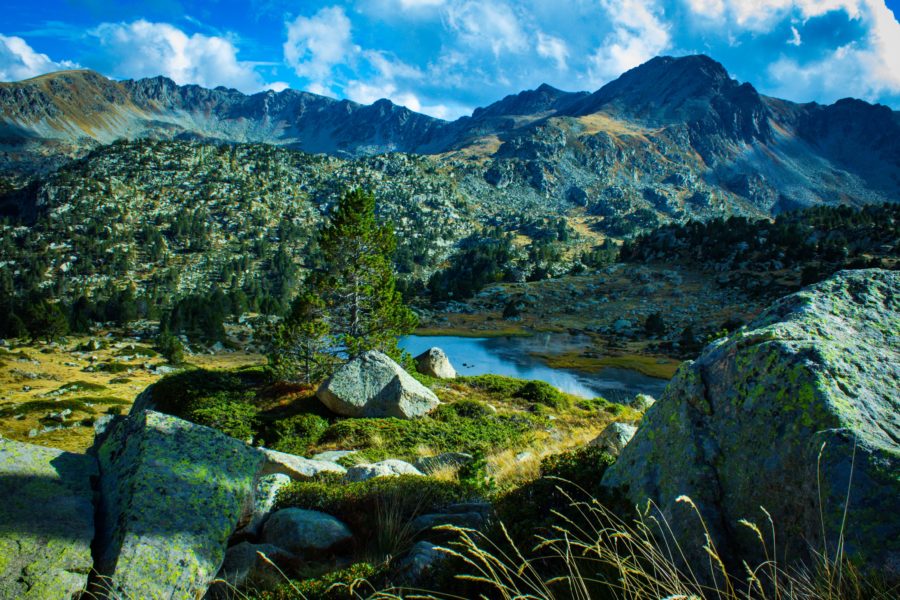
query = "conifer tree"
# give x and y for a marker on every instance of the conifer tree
(350, 304)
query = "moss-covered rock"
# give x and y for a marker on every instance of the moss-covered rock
(46, 521)
(742, 428)
(172, 494)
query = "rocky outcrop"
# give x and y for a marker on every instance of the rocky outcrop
(743, 426)
(373, 385)
(297, 467)
(46, 521)
(434, 363)
(304, 531)
(172, 494)
(386, 468)
(614, 438)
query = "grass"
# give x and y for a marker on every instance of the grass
(651, 366)
(507, 331)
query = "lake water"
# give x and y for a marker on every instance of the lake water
(512, 356)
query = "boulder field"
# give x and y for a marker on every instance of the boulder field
(797, 413)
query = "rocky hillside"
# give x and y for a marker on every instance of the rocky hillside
(671, 139)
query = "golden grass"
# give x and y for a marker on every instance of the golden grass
(652, 366)
(50, 367)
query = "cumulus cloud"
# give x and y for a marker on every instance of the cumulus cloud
(316, 45)
(552, 47)
(638, 35)
(145, 49)
(19, 61)
(493, 25)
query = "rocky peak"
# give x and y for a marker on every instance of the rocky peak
(695, 90)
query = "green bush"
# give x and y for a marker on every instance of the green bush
(466, 409)
(112, 367)
(232, 414)
(297, 433)
(494, 384)
(541, 392)
(397, 438)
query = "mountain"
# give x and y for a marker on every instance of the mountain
(672, 139)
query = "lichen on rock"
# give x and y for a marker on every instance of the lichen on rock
(742, 427)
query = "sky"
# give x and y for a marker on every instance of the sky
(447, 57)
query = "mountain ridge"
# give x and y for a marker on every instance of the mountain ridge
(676, 136)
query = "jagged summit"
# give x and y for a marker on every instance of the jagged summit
(694, 89)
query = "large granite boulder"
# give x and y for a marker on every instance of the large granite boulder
(264, 500)
(306, 531)
(243, 563)
(46, 521)
(434, 363)
(172, 494)
(373, 385)
(742, 427)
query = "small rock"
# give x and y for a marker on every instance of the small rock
(420, 559)
(614, 438)
(297, 467)
(264, 500)
(642, 402)
(333, 455)
(385, 468)
(242, 563)
(298, 530)
(434, 363)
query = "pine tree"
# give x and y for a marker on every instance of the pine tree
(357, 286)
(349, 305)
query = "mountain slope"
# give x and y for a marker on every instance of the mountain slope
(671, 139)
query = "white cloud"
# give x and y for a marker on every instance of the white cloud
(19, 61)
(549, 46)
(316, 45)
(638, 35)
(145, 49)
(795, 39)
(482, 24)
(867, 68)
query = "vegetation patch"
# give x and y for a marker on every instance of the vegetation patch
(78, 386)
(651, 366)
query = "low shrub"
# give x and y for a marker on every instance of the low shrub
(494, 384)
(447, 432)
(231, 413)
(112, 367)
(297, 433)
(541, 392)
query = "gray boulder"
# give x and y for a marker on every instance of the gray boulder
(642, 402)
(434, 363)
(172, 494)
(420, 560)
(743, 426)
(306, 531)
(297, 467)
(243, 563)
(264, 499)
(386, 468)
(373, 385)
(46, 521)
(614, 438)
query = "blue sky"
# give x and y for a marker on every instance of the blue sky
(446, 57)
